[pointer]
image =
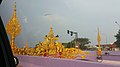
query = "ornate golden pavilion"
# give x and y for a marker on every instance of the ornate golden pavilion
(50, 47)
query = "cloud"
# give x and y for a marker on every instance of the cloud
(52, 17)
(47, 14)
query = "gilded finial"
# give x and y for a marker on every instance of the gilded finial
(15, 8)
(50, 26)
(26, 46)
(51, 34)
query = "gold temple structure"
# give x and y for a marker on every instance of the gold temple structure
(50, 47)
(13, 28)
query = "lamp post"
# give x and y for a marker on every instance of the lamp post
(76, 36)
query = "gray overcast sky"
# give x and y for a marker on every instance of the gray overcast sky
(83, 16)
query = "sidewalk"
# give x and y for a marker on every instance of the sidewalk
(110, 62)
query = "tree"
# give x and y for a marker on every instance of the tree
(117, 42)
(69, 44)
(82, 42)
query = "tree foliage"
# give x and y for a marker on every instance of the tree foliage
(117, 42)
(82, 42)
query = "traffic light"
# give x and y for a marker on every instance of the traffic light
(68, 31)
(71, 33)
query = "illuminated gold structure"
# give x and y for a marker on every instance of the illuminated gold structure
(50, 47)
(99, 52)
(13, 28)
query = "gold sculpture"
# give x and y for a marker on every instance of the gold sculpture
(13, 28)
(99, 51)
(50, 47)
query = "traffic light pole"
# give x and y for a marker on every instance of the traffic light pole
(76, 36)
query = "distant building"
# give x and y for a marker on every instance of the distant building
(91, 47)
(110, 47)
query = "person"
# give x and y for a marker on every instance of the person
(107, 53)
(99, 55)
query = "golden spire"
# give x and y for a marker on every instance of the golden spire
(51, 34)
(13, 27)
(14, 9)
(98, 37)
(99, 52)
(26, 46)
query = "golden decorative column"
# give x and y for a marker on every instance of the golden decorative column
(99, 52)
(13, 28)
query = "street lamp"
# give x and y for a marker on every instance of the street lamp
(76, 35)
